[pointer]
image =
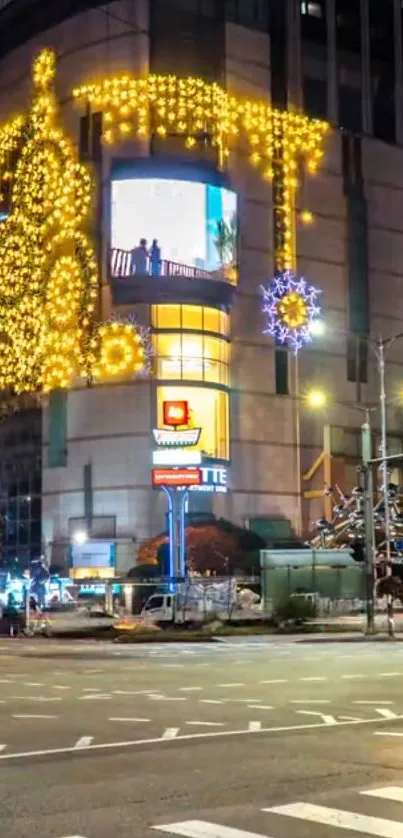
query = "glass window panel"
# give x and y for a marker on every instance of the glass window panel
(192, 317)
(211, 320)
(166, 317)
(192, 356)
(224, 323)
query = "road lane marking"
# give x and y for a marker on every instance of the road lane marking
(381, 701)
(275, 681)
(33, 683)
(327, 720)
(231, 685)
(260, 706)
(187, 737)
(84, 741)
(210, 701)
(127, 719)
(136, 692)
(37, 698)
(190, 689)
(60, 687)
(33, 716)
(204, 829)
(314, 678)
(207, 724)
(254, 726)
(170, 733)
(326, 816)
(388, 674)
(309, 701)
(386, 713)
(387, 732)
(394, 793)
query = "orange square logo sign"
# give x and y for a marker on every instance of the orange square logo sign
(175, 413)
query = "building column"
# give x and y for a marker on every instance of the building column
(332, 67)
(294, 63)
(366, 70)
(397, 20)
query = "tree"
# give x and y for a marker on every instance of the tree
(213, 545)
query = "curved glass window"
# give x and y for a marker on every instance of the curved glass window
(199, 318)
(193, 357)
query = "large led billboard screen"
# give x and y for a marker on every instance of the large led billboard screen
(194, 226)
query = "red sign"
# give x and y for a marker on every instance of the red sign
(176, 413)
(176, 476)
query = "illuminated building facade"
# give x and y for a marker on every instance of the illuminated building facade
(232, 193)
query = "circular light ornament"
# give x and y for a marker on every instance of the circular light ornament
(121, 351)
(291, 307)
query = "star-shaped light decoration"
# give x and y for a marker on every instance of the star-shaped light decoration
(291, 308)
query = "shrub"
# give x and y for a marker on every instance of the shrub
(295, 609)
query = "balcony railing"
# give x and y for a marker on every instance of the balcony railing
(121, 267)
(168, 282)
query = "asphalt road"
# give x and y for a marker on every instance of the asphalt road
(101, 741)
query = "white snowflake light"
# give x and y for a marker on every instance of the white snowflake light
(291, 308)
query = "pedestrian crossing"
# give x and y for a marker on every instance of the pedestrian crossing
(337, 821)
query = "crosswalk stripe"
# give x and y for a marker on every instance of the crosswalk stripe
(203, 829)
(366, 824)
(394, 793)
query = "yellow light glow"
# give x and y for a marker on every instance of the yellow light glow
(316, 398)
(293, 310)
(306, 216)
(121, 351)
(193, 108)
(48, 271)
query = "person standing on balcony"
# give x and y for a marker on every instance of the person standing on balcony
(139, 258)
(155, 258)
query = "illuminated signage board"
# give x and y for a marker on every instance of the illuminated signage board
(213, 479)
(164, 437)
(176, 457)
(94, 554)
(176, 476)
(175, 413)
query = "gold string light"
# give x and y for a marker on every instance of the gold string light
(48, 273)
(121, 351)
(194, 108)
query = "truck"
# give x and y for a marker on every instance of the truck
(197, 599)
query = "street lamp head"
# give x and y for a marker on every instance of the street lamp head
(80, 537)
(317, 328)
(316, 398)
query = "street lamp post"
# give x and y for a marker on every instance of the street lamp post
(317, 399)
(378, 346)
(382, 344)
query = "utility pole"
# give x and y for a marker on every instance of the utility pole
(366, 452)
(385, 474)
